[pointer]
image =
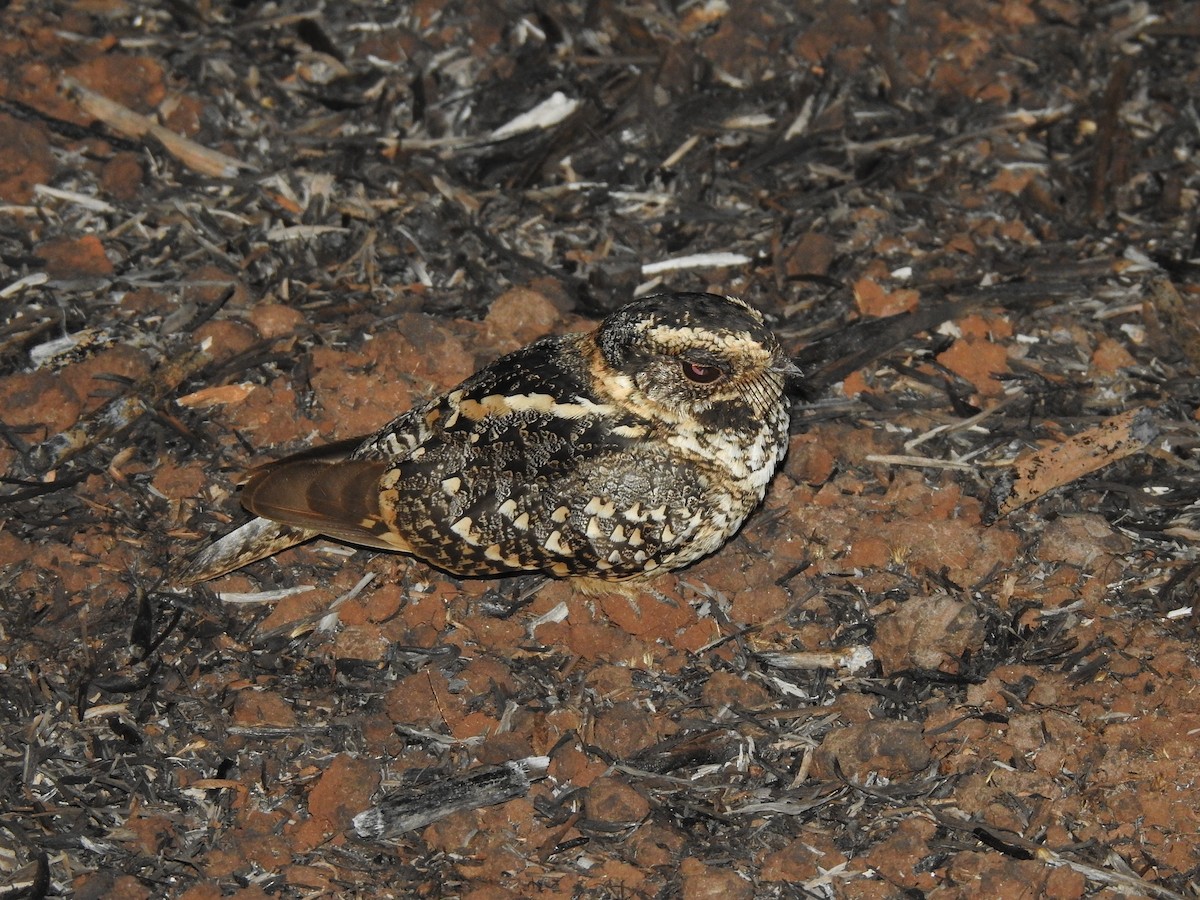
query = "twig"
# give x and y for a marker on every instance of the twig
(196, 157)
(1107, 137)
(924, 462)
(963, 424)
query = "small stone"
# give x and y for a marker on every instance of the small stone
(712, 882)
(612, 801)
(274, 320)
(928, 633)
(343, 791)
(70, 257)
(25, 159)
(519, 316)
(886, 747)
(122, 176)
(255, 707)
(726, 690)
(624, 730)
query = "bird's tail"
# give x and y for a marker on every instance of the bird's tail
(257, 539)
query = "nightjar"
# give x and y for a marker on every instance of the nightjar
(613, 454)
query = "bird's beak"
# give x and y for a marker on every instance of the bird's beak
(787, 368)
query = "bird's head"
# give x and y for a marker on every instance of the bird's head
(698, 359)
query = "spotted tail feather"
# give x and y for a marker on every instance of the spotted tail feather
(257, 539)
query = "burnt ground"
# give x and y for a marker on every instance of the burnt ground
(230, 231)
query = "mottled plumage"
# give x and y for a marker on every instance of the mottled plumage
(638, 447)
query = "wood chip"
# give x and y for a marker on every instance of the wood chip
(1052, 467)
(216, 396)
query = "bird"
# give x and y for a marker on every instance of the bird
(604, 456)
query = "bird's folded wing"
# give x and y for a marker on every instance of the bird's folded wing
(339, 499)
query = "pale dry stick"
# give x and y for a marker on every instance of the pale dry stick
(134, 125)
(417, 806)
(922, 462)
(853, 659)
(964, 424)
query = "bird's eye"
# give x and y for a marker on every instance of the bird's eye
(700, 373)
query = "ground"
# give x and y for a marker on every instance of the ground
(952, 655)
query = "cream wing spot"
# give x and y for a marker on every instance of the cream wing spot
(521, 522)
(631, 431)
(598, 506)
(508, 508)
(555, 544)
(560, 515)
(451, 486)
(463, 528)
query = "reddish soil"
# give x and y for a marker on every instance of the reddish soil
(869, 692)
